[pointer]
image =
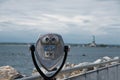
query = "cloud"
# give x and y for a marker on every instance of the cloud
(60, 23)
(70, 18)
(45, 22)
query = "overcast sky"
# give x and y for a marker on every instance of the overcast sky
(75, 20)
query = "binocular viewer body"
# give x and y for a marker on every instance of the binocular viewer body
(49, 50)
(51, 53)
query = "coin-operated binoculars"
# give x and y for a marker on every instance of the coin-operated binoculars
(50, 53)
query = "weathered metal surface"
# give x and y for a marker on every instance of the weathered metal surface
(91, 75)
(107, 73)
(102, 74)
(112, 73)
(118, 70)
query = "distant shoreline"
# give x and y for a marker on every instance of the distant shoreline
(97, 45)
(71, 44)
(15, 43)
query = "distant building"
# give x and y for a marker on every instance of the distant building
(93, 44)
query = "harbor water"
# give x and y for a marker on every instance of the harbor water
(19, 57)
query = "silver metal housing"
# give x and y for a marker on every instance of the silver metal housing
(50, 51)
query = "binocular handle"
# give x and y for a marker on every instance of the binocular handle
(32, 49)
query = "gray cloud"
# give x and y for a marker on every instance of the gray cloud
(71, 18)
